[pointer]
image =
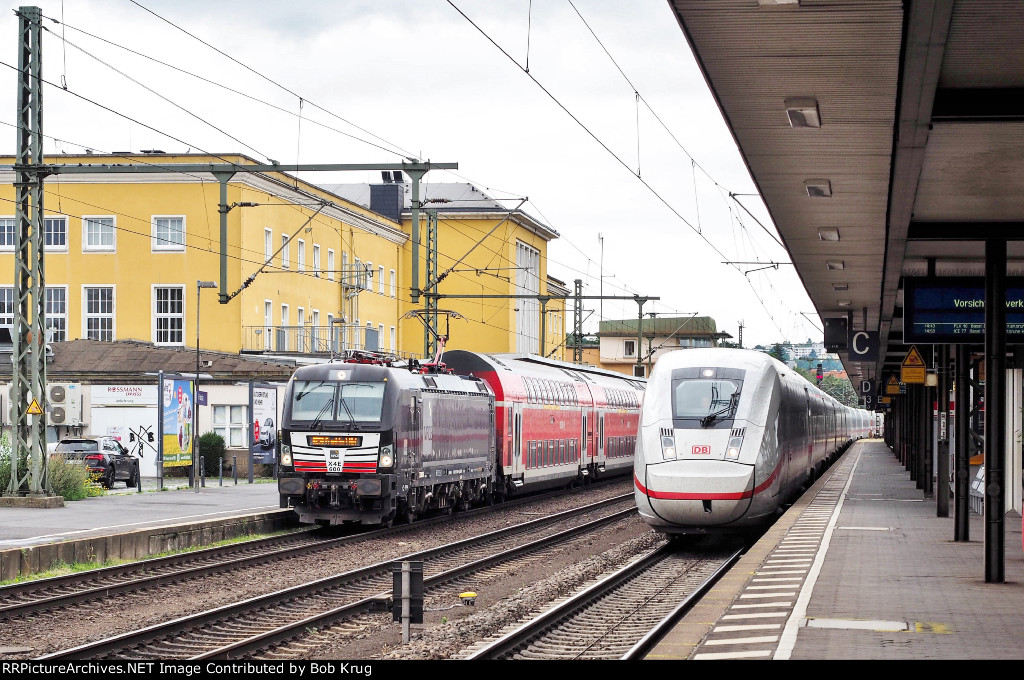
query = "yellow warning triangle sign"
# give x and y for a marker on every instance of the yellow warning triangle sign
(892, 380)
(34, 409)
(913, 357)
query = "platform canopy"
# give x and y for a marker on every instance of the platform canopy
(886, 139)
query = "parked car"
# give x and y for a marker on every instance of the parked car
(104, 456)
(267, 434)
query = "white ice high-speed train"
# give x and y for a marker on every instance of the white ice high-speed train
(729, 436)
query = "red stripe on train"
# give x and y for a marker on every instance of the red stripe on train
(688, 496)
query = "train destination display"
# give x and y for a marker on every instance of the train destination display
(952, 310)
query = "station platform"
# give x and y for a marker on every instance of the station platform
(861, 567)
(125, 524)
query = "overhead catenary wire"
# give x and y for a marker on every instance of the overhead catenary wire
(235, 91)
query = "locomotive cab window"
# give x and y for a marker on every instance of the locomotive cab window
(340, 402)
(704, 402)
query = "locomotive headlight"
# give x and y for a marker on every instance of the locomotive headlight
(286, 454)
(387, 458)
(732, 452)
(668, 448)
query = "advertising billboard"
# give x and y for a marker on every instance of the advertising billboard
(177, 422)
(263, 444)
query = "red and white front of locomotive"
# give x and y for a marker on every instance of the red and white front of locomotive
(706, 460)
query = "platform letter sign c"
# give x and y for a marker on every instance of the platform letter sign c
(863, 345)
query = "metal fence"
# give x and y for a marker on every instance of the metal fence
(322, 340)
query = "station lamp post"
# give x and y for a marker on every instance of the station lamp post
(195, 397)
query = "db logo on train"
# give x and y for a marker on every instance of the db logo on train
(701, 450)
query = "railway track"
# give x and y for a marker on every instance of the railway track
(259, 623)
(619, 616)
(58, 593)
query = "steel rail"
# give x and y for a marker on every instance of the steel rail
(50, 598)
(384, 599)
(566, 610)
(100, 648)
(648, 641)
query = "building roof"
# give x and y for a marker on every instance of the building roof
(445, 197)
(136, 361)
(678, 326)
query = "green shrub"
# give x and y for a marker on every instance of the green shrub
(71, 480)
(5, 462)
(212, 449)
(66, 479)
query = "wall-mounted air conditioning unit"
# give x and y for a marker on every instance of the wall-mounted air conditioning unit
(64, 404)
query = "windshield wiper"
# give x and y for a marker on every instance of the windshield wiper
(712, 417)
(323, 410)
(341, 396)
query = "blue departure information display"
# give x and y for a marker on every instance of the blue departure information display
(951, 310)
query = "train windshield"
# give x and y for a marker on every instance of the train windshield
(700, 398)
(337, 403)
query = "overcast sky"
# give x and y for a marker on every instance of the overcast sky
(563, 103)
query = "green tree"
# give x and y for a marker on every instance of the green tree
(778, 351)
(841, 389)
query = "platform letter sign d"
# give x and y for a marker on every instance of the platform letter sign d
(863, 345)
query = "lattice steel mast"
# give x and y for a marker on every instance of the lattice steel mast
(28, 335)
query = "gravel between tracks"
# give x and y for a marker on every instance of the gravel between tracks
(28, 637)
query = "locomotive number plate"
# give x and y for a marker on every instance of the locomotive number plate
(701, 450)
(334, 466)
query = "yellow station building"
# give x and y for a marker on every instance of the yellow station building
(311, 270)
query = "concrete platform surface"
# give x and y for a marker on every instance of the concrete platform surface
(126, 510)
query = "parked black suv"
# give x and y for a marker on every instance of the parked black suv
(104, 456)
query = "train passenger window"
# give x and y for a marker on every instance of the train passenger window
(551, 452)
(532, 460)
(561, 452)
(572, 450)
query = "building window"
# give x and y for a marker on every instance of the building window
(7, 307)
(282, 332)
(268, 244)
(392, 338)
(99, 314)
(6, 233)
(169, 317)
(393, 291)
(98, 234)
(330, 263)
(56, 314)
(230, 422)
(380, 280)
(56, 233)
(300, 256)
(284, 251)
(527, 283)
(168, 232)
(268, 322)
(629, 348)
(316, 260)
